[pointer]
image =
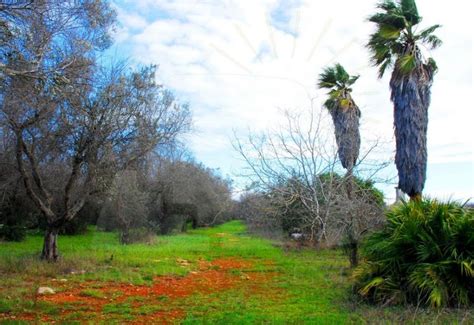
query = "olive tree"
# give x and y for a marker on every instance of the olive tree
(126, 204)
(75, 123)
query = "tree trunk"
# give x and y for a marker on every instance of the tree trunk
(184, 227)
(352, 241)
(353, 254)
(125, 236)
(50, 246)
(415, 197)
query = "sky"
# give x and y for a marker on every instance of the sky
(240, 63)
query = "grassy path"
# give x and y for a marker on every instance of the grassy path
(216, 275)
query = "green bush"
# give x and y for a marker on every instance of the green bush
(76, 226)
(137, 235)
(423, 256)
(12, 232)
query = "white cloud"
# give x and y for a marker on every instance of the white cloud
(237, 70)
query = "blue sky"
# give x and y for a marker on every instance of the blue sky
(239, 63)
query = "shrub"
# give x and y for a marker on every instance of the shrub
(76, 226)
(137, 235)
(424, 256)
(12, 232)
(16, 216)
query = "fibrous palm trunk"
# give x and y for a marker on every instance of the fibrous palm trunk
(346, 130)
(411, 99)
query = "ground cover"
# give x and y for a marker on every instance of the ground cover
(211, 275)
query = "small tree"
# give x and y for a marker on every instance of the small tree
(126, 205)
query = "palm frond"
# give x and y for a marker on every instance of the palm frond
(394, 35)
(327, 79)
(382, 67)
(428, 31)
(389, 32)
(335, 78)
(394, 19)
(330, 103)
(433, 41)
(424, 254)
(387, 5)
(352, 80)
(410, 11)
(373, 283)
(432, 64)
(326, 84)
(341, 74)
(406, 63)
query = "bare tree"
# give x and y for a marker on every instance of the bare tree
(297, 170)
(100, 122)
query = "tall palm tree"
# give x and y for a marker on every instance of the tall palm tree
(397, 43)
(344, 112)
(345, 115)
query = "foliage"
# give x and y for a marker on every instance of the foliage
(126, 206)
(15, 217)
(69, 121)
(364, 188)
(424, 255)
(184, 190)
(75, 226)
(338, 81)
(395, 41)
(282, 210)
(367, 186)
(12, 232)
(139, 235)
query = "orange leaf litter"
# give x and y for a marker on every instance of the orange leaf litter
(211, 277)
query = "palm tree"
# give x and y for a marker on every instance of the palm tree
(345, 115)
(344, 112)
(397, 43)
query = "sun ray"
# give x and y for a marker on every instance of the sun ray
(247, 41)
(230, 58)
(297, 27)
(318, 40)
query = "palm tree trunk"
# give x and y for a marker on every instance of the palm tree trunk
(411, 98)
(416, 197)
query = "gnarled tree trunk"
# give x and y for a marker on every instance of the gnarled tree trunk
(50, 251)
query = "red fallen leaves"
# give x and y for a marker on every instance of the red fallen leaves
(211, 277)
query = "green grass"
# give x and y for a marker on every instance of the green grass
(306, 286)
(94, 293)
